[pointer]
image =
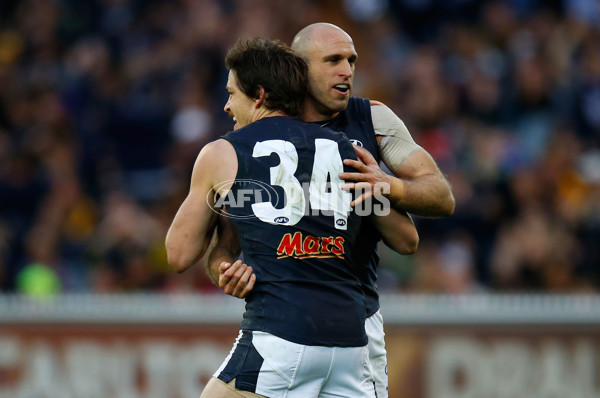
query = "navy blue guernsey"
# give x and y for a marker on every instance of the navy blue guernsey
(357, 124)
(296, 233)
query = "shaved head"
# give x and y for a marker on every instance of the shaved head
(330, 55)
(305, 41)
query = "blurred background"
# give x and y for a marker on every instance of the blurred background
(104, 105)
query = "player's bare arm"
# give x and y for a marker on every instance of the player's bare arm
(397, 231)
(234, 277)
(192, 228)
(397, 228)
(225, 248)
(419, 186)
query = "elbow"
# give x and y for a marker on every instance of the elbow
(442, 201)
(450, 205)
(178, 262)
(450, 201)
(412, 243)
(406, 244)
(446, 205)
(181, 252)
(178, 258)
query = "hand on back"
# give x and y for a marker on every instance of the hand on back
(236, 279)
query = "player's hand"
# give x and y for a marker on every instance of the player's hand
(236, 279)
(369, 179)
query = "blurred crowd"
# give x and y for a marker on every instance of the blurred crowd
(104, 105)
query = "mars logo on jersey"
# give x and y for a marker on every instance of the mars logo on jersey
(299, 246)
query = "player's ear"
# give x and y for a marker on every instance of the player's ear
(260, 97)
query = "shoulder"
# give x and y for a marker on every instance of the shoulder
(379, 108)
(381, 114)
(216, 162)
(384, 120)
(214, 156)
(214, 148)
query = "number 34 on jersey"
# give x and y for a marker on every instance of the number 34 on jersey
(324, 189)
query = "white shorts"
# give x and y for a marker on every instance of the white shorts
(377, 353)
(268, 365)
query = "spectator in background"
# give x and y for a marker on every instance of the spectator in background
(95, 94)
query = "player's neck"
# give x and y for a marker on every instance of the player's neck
(310, 113)
(262, 113)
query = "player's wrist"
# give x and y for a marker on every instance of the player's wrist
(397, 188)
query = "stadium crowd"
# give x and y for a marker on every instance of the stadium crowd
(104, 105)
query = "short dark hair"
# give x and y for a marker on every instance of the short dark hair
(272, 65)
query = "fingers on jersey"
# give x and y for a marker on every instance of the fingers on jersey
(367, 170)
(370, 180)
(236, 279)
(364, 155)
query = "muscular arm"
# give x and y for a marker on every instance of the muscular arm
(418, 186)
(192, 228)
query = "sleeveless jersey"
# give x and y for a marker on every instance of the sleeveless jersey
(357, 124)
(296, 233)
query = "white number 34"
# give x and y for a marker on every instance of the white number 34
(324, 190)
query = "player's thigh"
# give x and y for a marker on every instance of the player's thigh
(351, 375)
(219, 389)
